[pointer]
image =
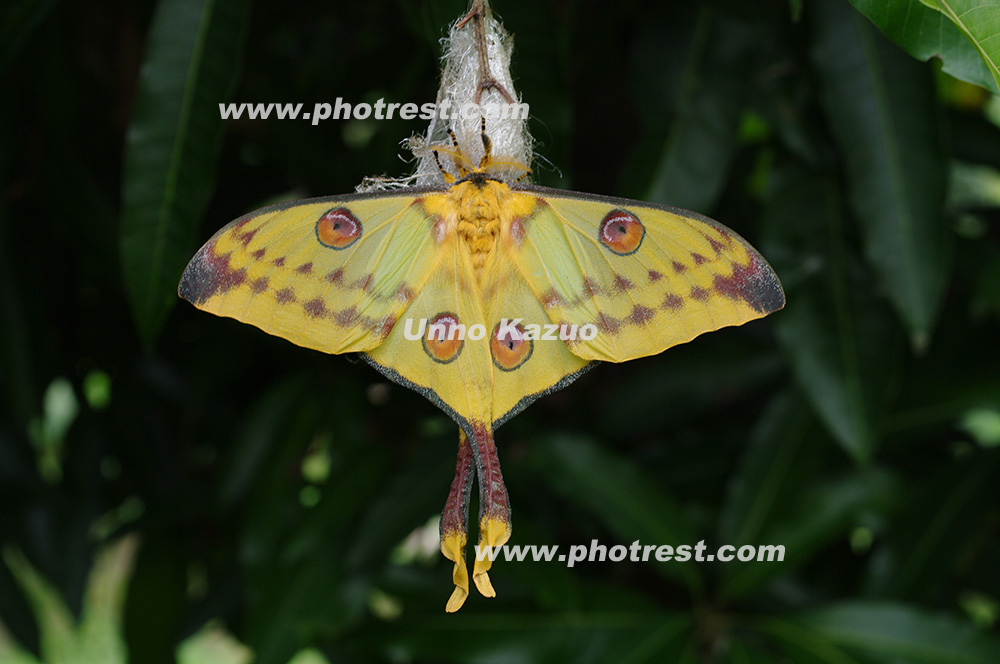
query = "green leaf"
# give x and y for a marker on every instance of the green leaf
(104, 601)
(291, 549)
(56, 626)
(97, 639)
(926, 34)
(836, 334)
(738, 652)
(882, 111)
(266, 424)
(979, 20)
(191, 64)
(686, 384)
(403, 501)
(761, 480)
(615, 490)
(309, 656)
(696, 143)
(617, 635)
(936, 533)
(213, 645)
(888, 631)
(10, 652)
(804, 646)
(820, 515)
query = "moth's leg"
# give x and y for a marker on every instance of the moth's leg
(487, 144)
(462, 171)
(527, 173)
(455, 523)
(486, 80)
(448, 177)
(494, 506)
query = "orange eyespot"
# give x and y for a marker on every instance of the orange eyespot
(621, 232)
(338, 229)
(444, 338)
(509, 347)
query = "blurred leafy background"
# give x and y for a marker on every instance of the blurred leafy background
(174, 484)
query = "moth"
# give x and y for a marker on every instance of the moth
(486, 252)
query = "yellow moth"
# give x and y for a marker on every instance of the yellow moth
(483, 293)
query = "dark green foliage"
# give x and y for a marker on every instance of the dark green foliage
(271, 485)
